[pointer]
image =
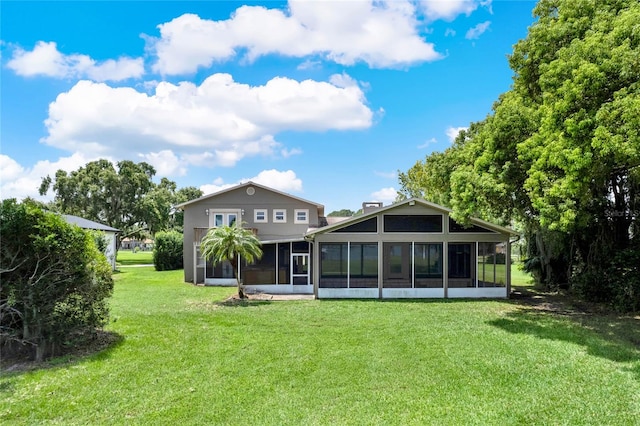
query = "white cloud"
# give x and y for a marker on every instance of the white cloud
(448, 10)
(9, 168)
(211, 188)
(45, 59)
(309, 65)
(385, 195)
(452, 132)
(478, 30)
(380, 33)
(428, 142)
(166, 163)
(286, 153)
(285, 181)
(18, 181)
(215, 124)
(388, 175)
(450, 32)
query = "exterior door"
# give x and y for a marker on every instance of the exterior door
(221, 273)
(397, 265)
(300, 269)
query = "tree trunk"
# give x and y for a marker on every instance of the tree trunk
(234, 265)
(41, 346)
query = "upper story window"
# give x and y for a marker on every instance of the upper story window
(301, 216)
(260, 216)
(279, 216)
(366, 226)
(412, 223)
(456, 227)
(221, 218)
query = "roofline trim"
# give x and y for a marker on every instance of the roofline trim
(354, 219)
(241, 185)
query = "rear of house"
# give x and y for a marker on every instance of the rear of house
(411, 249)
(279, 220)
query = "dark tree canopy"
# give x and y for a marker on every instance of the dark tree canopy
(559, 154)
(104, 193)
(123, 196)
(342, 213)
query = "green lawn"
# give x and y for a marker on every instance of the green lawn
(519, 277)
(187, 358)
(128, 257)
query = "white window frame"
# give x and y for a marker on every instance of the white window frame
(264, 212)
(275, 216)
(226, 214)
(306, 216)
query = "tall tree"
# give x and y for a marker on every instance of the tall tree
(104, 193)
(182, 195)
(158, 204)
(560, 152)
(122, 196)
(342, 213)
(229, 243)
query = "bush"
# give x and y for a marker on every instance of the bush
(616, 283)
(497, 258)
(54, 281)
(167, 252)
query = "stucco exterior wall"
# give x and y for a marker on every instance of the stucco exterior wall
(200, 215)
(111, 248)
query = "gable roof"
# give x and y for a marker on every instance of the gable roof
(242, 185)
(409, 201)
(87, 224)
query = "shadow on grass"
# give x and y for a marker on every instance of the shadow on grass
(235, 302)
(557, 317)
(99, 347)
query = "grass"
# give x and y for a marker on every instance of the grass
(128, 258)
(188, 357)
(519, 277)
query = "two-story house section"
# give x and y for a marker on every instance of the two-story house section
(279, 220)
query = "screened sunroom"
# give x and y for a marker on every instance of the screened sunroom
(411, 250)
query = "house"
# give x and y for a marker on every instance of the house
(279, 220)
(132, 243)
(109, 234)
(411, 249)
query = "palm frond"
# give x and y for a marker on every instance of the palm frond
(227, 242)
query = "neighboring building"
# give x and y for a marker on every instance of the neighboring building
(109, 234)
(411, 249)
(132, 243)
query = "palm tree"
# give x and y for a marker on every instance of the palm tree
(227, 243)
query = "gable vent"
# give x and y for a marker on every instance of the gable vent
(369, 206)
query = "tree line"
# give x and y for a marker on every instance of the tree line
(558, 156)
(122, 196)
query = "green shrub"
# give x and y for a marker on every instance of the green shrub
(167, 251)
(54, 281)
(498, 258)
(616, 283)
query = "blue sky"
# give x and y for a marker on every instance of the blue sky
(325, 100)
